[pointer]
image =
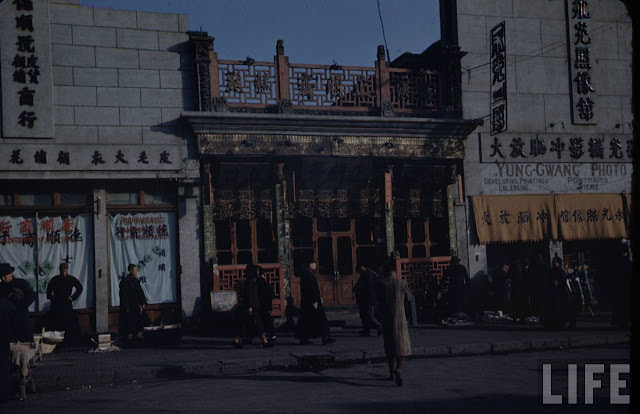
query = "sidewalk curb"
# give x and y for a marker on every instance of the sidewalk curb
(309, 360)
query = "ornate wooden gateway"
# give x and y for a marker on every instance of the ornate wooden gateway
(335, 164)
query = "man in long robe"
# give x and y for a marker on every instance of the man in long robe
(458, 285)
(366, 298)
(249, 314)
(132, 303)
(313, 319)
(392, 294)
(61, 316)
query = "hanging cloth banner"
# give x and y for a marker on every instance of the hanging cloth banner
(504, 219)
(147, 240)
(591, 216)
(17, 247)
(70, 240)
(58, 239)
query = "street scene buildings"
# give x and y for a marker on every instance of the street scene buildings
(127, 141)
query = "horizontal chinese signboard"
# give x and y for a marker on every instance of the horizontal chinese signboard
(546, 177)
(503, 219)
(25, 61)
(510, 147)
(30, 157)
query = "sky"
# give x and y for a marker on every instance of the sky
(314, 31)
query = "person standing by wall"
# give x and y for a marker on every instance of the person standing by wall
(21, 295)
(61, 316)
(458, 285)
(132, 303)
(392, 294)
(621, 281)
(501, 287)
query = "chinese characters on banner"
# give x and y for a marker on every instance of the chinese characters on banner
(54, 240)
(26, 69)
(498, 81)
(147, 240)
(580, 61)
(550, 217)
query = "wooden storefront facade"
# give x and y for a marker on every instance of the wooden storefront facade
(338, 165)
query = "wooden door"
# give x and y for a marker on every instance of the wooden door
(335, 255)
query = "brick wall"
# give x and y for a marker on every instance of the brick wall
(119, 77)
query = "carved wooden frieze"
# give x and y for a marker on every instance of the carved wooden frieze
(323, 145)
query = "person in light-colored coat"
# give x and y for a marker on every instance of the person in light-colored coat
(392, 293)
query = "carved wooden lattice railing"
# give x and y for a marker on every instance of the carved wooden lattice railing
(378, 89)
(228, 276)
(327, 86)
(422, 272)
(412, 91)
(245, 84)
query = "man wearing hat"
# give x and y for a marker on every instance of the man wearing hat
(132, 303)
(20, 294)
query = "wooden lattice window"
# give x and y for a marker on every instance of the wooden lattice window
(245, 241)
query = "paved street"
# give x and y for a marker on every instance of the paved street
(458, 384)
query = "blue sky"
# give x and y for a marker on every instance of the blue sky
(314, 31)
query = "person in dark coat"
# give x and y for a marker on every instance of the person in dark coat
(21, 295)
(7, 310)
(265, 292)
(621, 283)
(458, 285)
(536, 282)
(249, 312)
(501, 286)
(559, 307)
(519, 302)
(132, 303)
(61, 317)
(365, 292)
(312, 322)
(392, 293)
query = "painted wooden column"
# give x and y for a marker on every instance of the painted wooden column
(451, 211)
(100, 263)
(208, 263)
(282, 227)
(388, 209)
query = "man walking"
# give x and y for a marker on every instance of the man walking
(365, 292)
(392, 294)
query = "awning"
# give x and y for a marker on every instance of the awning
(522, 218)
(591, 216)
(503, 219)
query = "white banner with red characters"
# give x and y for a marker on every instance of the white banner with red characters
(147, 240)
(53, 240)
(17, 247)
(66, 240)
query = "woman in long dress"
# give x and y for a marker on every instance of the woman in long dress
(392, 293)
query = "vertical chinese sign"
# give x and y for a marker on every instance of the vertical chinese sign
(498, 79)
(147, 240)
(25, 59)
(36, 247)
(583, 105)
